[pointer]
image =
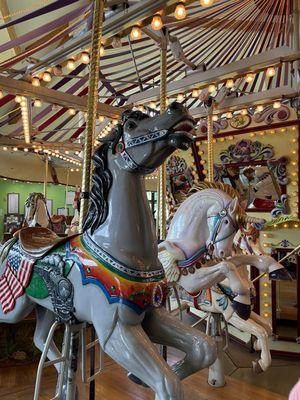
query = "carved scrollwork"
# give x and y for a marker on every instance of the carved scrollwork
(217, 126)
(270, 115)
(246, 150)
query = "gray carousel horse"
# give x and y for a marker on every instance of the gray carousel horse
(110, 275)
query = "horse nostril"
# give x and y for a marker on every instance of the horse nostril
(222, 253)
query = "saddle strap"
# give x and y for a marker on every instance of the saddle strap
(6, 248)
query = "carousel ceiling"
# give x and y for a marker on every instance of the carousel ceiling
(45, 54)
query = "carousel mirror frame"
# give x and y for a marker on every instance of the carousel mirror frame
(246, 152)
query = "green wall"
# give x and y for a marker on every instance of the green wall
(56, 193)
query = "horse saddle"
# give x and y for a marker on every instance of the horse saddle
(36, 242)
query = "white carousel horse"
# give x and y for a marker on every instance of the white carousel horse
(110, 276)
(218, 299)
(36, 213)
(199, 238)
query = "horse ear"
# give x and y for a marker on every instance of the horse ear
(233, 205)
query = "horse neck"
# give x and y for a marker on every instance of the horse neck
(189, 229)
(41, 215)
(128, 233)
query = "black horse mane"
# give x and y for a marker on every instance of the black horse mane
(102, 177)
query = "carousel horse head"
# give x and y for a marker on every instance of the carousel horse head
(208, 219)
(36, 213)
(137, 146)
(141, 143)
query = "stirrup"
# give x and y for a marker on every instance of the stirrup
(85, 348)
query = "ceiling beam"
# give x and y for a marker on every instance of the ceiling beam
(7, 141)
(11, 30)
(233, 104)
(234, 70)
(121, 23)
(56, 97)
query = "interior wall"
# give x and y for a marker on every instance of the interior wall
(56, 193)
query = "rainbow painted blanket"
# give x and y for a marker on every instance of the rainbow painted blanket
(137, 289)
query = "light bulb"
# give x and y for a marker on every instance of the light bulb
(135, 33)
(18, 98)
(260, 108)
(229, 83)
(156, 23)
(244, 111)
(215, 118)
(211, 88)
(206, 3)
(85, 57)
(37, 103)
(101, 118)
(15, 149)
(25, 149)
(102, 50)
(4, 148)
(229, 115)
(180, 11)
(72, 111)
(46, 76)
(1, 94)
(180, 97)
(140, 108)
(249, 78)
(276, 104)
(271, 72)
(71, 64)
(57, 70)
(35, 81)
(152, 104)
(195, 93)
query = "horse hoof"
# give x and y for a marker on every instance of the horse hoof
(256, 367)
(136, 380)
(242, 310)
(280, 274)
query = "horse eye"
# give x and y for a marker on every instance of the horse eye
(226, 221)
(131, 125)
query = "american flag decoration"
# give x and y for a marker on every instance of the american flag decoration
(15, 278)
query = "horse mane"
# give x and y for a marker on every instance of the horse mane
(233, 193)
(101, 184)
(35, 195)
(102, 177)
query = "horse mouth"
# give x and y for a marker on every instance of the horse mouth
(183, 134)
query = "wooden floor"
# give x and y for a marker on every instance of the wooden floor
(18, 382)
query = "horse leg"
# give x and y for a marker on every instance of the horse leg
(206, 277)
(22, 309)
(44, 320)
(130, 347)
(165, 329)
(260, 333)
(263, 322)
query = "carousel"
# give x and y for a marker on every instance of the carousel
(149, 210)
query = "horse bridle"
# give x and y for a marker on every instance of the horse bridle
(124, 144)
(208, 249)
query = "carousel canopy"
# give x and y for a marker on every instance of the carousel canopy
(248, 47)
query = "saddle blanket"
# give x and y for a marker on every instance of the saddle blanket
(15, 278)
(116, 281)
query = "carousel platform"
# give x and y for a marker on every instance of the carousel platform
(18, 383)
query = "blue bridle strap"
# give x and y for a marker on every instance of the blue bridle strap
(213, 238)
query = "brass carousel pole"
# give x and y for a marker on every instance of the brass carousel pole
(162, 180)
(210, 152)
(92, 107)
(46, 176)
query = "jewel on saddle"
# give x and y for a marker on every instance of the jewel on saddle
(138, 290)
